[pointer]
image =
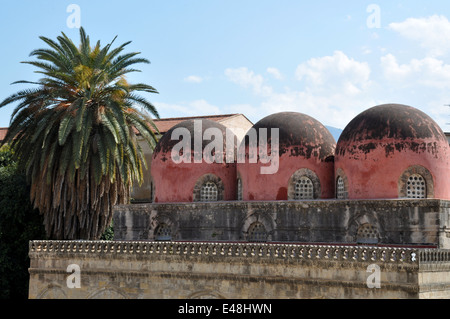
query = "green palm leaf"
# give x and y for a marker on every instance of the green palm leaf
(75, 134)
(65, 128)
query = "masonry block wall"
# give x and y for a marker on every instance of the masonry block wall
(234, 271)
(386, 222)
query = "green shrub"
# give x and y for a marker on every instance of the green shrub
(19, 223)
(109, 233)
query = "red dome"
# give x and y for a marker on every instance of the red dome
(175, 180)
(306, 150)
(385, 150)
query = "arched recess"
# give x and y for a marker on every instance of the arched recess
(163, 227)
(419, 174)
(365, 221)
(52, 291)
(367, 234)
(257, 233)
(261, 219)
(304, 175)
(341, 184)
(163, 232)
(205, 181)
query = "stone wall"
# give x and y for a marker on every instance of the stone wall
(401, 222)
(144, 192)
(184, 270)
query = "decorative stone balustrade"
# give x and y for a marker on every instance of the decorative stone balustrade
(156, 269)
(434, 255)
(245, 250)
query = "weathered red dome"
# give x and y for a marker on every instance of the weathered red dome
(305, 151)
(385, 147)
(177, 180)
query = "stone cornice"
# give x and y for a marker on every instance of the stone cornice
(400, 202)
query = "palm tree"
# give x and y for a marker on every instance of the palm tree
(76, 134)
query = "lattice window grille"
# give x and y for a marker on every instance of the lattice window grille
(416, 187)
(304, 189)
(209, 192)
(163, 232)
(257, 233)
(367, 234)
(340, 194)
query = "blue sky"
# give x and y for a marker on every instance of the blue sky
(328, 59)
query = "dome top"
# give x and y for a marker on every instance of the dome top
(196, 129)
(301, 132)
(396, 121)
(393, 126)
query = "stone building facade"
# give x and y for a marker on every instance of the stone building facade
(192, 270)
(237, 123)
(424, 222)
(393, 151)
(311, 228)
(386, 177)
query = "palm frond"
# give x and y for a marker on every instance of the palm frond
(76, 133)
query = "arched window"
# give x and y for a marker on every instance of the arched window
(239, 189)
(416, 182)
(209, 192)
(304, 184)
(367, 234)
(340, 188)
(163, 232)
(208, 188)
(416, 187)
(257, 233)
(304, 189)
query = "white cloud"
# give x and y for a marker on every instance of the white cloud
(432, 33)
(336, 73)
(246, 78)
(422, 83)
(366, 50)
(429, 72)
(193, 79)
(335, 109)
(334, 89)
(275, 72)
